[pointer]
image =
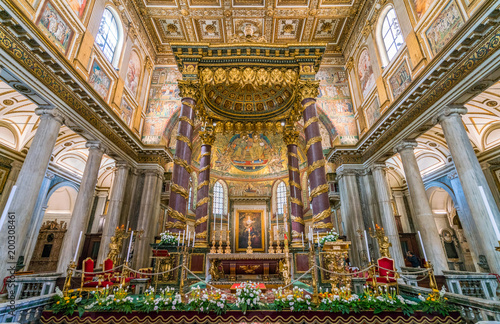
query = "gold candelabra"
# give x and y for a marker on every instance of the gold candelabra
(271, 242)
(213, 248)
(383, 241)
(312, 264)
(183, 270)
(228, 243)
(220, 250)
(249, 247)
(432, 278)
(69, 275)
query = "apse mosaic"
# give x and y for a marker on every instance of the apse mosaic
(163, 102)
(335, 101)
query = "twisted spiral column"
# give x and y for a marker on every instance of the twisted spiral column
(208, 138)
(308, 91)
(179, 193)
(291, 138)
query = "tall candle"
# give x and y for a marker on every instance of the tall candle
(183, 236)
(221, 226)
(126, 228)
(194, 237)
(422, 244)
(302, 239)
(178, 238)
(130, 245)
(188, 238)
(77, 246)
(490, 214)
(367, 248)
(7, 206)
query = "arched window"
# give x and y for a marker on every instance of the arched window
(391, 34)
(281, 197)
(108, 35)
(218, 201)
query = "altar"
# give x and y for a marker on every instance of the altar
(243, 266)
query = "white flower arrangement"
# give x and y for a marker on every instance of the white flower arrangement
(332, 236)
(207, 300)
(167, 238)
(295, 300)
(248, 296)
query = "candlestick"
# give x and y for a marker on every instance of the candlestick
(77, 246)
(422, 243)
(490, 214)
(7, 206)
(367, 248)
(130, 245)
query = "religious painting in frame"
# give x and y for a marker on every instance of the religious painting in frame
(4, 173)
(54, 27)
(444, 27)
(99, 80)
(400, 80)
(250, 221)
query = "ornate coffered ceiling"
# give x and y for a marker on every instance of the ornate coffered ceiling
(227, 21)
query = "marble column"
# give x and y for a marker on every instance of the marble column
(308, 91)
(179, 194)
(464, 214)
(400, 206)
(112, 218)
(207, 137)
(482, 205)
(387, 214)
(291, 138)
(371, 215)
(424, 219)
(151, 193)
(350, 205)
(15, 167)
(130, 192)
(102, 197)
(491, 181)
(37, 218)
(83, 205)
(30, 180)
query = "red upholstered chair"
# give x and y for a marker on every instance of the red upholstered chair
(88, 275)
(387, 275)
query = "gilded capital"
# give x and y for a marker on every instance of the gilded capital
(307, 89)
(207, 137)
(189, 89)
(291, 136)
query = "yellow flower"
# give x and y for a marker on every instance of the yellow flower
(66, 298)
(67, 301)
(70, 291)
(73, 297)
(57, 303)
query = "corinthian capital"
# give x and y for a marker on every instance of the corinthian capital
(291, 136)
(207, 137)
(307, 89)
(189, 89)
